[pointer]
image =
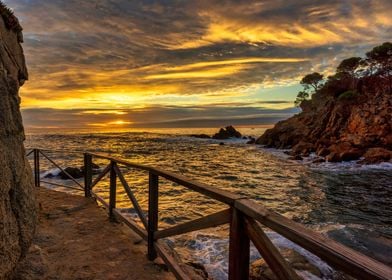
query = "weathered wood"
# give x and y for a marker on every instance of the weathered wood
(238, 248)
(131, 196)
(269, 252)
(131, 224)
(215, 193)
(123, 162)
(153, 194)
(36, 168)
(29, 152)
(100, 176)
(212, 220)
(65, 172)
(100, 199)
(60, 185)
(335, 254)
(88, 175)
(113, 188)
(173, 265)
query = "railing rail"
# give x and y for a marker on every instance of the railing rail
(243, 215)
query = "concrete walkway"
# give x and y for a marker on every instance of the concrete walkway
(76, 240)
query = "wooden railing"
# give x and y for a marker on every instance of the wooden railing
(244, 216)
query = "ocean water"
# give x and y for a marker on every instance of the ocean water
(348, 202)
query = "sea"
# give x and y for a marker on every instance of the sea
(348, 202)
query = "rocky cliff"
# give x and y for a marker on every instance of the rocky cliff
(17, 203)
(349, 118)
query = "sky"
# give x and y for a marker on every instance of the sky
(127, 64)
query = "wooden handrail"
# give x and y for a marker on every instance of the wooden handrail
(213, 220)
(334, 253)
(243, 215)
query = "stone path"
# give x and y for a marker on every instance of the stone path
(76, 240)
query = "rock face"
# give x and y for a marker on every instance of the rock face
(339, 129)
(17, 203)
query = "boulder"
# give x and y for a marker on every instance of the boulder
(318, 160)
(376, 155)
(296, 157)
(343, 151)
(17, 204)
(95, 169)
(303, 148)
(75, 172)
(226, 133)
(322, 152)
(251, 140)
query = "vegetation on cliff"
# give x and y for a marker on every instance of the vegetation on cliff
(345, 116)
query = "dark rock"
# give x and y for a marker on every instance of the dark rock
(75, 172)
(221, 144)
(343, 151)
(322, 152)
(318, 160)
(251, 140)
(95, 169)
(201, 136)
(303, 148)
(376, 155)
(333, 157)
(296, 157)
(352, 154)
(226, 133)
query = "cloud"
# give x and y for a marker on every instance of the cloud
(136, 54)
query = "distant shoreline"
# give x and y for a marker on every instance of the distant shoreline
(172, 130)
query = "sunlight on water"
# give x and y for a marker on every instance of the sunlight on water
(350, 204)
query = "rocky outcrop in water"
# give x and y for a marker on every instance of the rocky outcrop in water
(226, 133)
(17, 204)
(348, 118)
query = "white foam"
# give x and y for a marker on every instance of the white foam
(330, 166)
(54, 172)
(211, 251)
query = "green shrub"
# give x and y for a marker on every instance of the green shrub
(348, 95)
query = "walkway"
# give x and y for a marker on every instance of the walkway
(76, 240)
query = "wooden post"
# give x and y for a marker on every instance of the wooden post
(238, 248)
(88, 174)
(112, 198)
(36, 168)
(152, 214)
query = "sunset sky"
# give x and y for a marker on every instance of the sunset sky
(122, 63)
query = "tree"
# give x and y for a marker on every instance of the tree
(348, 69)
(301, 96)
(349, 66)
(379, 60)
(311, 83)
(313, 80)
(381, 54)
